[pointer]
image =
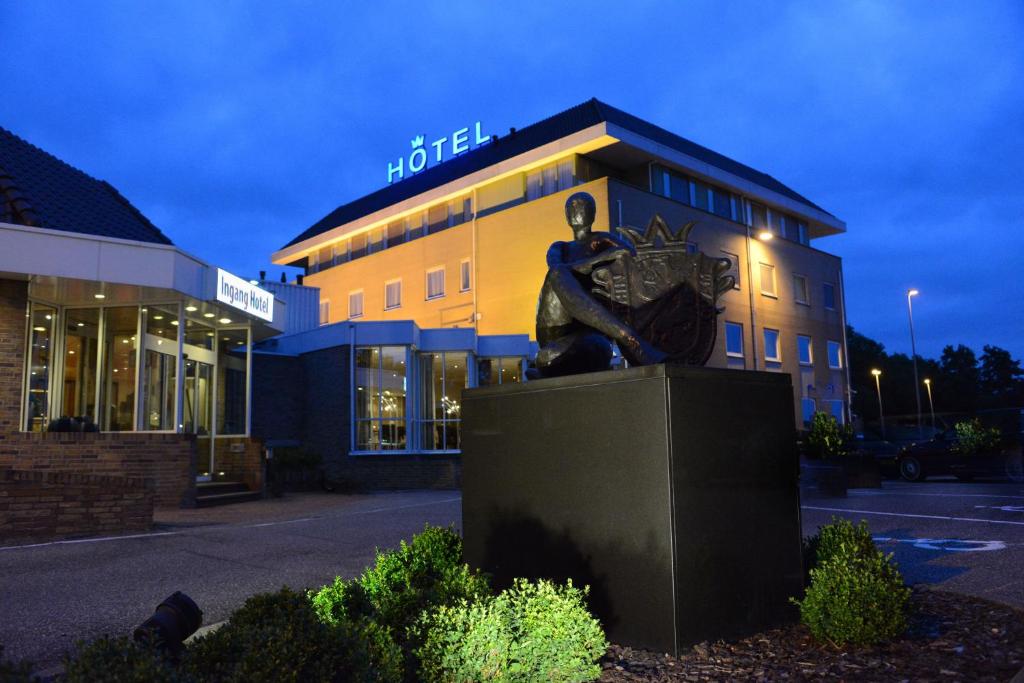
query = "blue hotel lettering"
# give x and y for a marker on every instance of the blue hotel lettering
(418, 156)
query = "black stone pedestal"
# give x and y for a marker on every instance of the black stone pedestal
(672, 492)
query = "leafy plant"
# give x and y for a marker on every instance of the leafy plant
(403, 584)
(973, 438)
(827, 438)
(530, 632)
(121, 660)
(15, 672)
(856, 593)
(279, 637)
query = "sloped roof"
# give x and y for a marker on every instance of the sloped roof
(37, 189)
(560, 125)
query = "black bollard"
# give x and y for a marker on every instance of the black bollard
(175, 619)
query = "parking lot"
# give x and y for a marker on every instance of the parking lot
(963, 537)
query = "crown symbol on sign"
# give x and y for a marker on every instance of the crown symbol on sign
(417, 141)
(658, 234)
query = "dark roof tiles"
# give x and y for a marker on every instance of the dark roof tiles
(45, 192)
(550, 129)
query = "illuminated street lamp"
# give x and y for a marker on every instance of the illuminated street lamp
(913, 350)
(878, 387)
(931, 406)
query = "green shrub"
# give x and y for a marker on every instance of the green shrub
(973, 438)
(530, 632)
(856, 593)
(827, 438)
(279, 637)
(15, 672)
(121, 660)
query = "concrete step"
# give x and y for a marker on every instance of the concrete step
(210, 500)
(213, 488)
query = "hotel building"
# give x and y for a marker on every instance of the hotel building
(462, 243)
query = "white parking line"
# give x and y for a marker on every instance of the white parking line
(906, 514)
(871, 494)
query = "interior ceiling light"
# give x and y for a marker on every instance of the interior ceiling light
(191, 309)
(99, 296)
(225, 321)
(207, 315)
(81, 324)
(158, 317)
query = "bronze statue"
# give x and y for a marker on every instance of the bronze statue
(645, 292)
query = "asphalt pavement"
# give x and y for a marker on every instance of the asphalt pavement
(962, 537)
(55, 593)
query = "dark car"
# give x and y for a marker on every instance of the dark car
(938, 456)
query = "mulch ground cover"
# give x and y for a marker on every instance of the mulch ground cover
(950, 637)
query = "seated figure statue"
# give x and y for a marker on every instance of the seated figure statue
(573, 327)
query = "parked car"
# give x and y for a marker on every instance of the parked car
(939, 456)
(884, 452)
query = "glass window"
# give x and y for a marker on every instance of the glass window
(700, 196)
(120, 350)
(758, 216)
(800, 293)
(803, 236)
(40, 365)
(357, 247)
(416, 223)
(499, 370)
(392, 294)
(775, 223)
(459, 211)
(679, 188)
(835, 355)
(659, 180)
(81, 357)
(326, 257)
(396, 233)
(768, 280)
(443, 377)
(807, 408)
(734, 340)
(435, 283)
(380, 398)
(355, 304)
(197, 402)
(565, 174)
(376, 241)
(340, 251)
(771, 346)
(232, 348)
(325, 312)
(835, 409)
(549, 180)
(734, 267)
(465, 275)
(803, 347)
(159, 372)
(830, 296)
(437, 218)
(722, 203)
(534, 186)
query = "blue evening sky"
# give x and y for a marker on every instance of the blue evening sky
(236, 125)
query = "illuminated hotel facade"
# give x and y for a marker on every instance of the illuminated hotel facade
(462, 243)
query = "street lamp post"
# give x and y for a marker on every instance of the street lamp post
(878, 387)
(931, 406)
(913, 350)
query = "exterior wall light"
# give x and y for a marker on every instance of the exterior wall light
(765, 235)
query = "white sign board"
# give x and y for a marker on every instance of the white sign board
(237, 293)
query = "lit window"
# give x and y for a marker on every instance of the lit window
(830, 296)
(835, 355)
(768, 280)
(803, 346)
(355, 304)
(380, 382)
(465, 282)
(392, 294)
(771, 346)
(800, 292)
(734, 267)
(734, 340)
(435, 283)
(325, 312)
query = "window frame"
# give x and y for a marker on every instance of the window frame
(778, 345)
(465, 275)
(806, 301)
(810, 350)
(388, 283)
(824, 299)
(830, 344)
(426, 283)
(325, 320)
(362, 303)
(734, 354)
(774, 294)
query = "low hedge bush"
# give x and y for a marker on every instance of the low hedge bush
(530, 632)
(279, 637)
(15, 672)
(856, 593)
(121, 660)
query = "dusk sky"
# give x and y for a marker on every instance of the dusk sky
(234, 126)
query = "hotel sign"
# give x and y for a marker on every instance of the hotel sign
(459, 142)
(246, 297)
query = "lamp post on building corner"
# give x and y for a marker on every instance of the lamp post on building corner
(913, 350)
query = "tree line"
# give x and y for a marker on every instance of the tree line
(961, 382)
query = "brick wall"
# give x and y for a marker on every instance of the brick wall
(167, 459)
(240, 459)
(13, 299)
(36, 505)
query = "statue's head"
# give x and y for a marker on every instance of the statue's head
(580, 210)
